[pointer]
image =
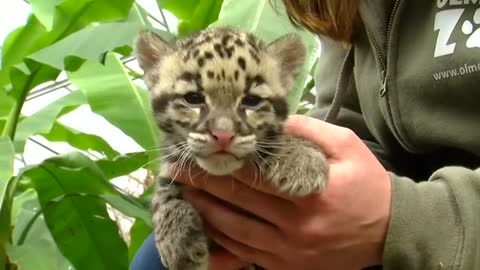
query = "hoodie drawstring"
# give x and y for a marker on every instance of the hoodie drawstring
(343, 84)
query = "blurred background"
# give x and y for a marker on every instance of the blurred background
(78, 147)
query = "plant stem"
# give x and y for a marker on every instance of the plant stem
(9, 130)
(11, 125)
(5, 235)
(27, 228)
(12, 121)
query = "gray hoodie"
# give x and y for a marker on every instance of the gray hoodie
(412, 93)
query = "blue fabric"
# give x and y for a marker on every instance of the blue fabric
(147, 257)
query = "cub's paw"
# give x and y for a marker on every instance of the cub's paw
(181, 240)
(300, 174)
(187, 253)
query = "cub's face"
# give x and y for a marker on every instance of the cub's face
(220, 96)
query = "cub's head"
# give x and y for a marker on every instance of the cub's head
(220, 96)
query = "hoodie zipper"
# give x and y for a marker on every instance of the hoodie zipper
(384, 72)
(383, 93)
(381, 58)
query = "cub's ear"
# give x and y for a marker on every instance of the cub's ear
(149, 50)
(289, 52)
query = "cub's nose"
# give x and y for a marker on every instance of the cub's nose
(223, 138)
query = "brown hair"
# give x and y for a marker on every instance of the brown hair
(333, 18)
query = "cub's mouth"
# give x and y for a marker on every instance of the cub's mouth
(220, 163)
(221, 152)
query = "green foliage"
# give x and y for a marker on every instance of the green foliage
(195, 15)
(38, 249)
(75, 213)
(68, 17)
(54, 214)
(43, 120)
(79, 140)
(6, 172)
(100, 83)
(6, 165)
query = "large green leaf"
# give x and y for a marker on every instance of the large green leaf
(27, 75)
(72, 192)
(79, 140)
(37, 255)
(122, 165)
(35, 250)
(24, 78)
(43, 120)
(20, 43)
(26, 212)
(85, 234)
(3, 122)
(6, 106)
(89, 43)
(7, 157)
(139, 15)
(182, 9)
(45, 11)
(195, 15)
(69, 16)
(259, 17)
(112, 95)
(75, 174)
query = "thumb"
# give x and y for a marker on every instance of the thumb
(328, 137)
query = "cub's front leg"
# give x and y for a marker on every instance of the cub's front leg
(179, 234)
(299, 169)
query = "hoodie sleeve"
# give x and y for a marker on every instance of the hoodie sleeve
(435, 224)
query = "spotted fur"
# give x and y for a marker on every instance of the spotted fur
(229, 81)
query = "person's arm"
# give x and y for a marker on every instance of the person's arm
(435, 224)
(354, 223)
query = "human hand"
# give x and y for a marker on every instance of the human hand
(344, 227)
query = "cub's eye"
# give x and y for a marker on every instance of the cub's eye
(194, 98)
(251, 100)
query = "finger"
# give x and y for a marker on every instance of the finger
(260, 201)
(245, 176)
(193, 176)
(225, 260)
(330, 138)
(242, 228)
(244, 252)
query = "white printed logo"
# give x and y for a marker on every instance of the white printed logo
(467, 28)
(445, 23)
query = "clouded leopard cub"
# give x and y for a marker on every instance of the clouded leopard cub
(220, 99)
